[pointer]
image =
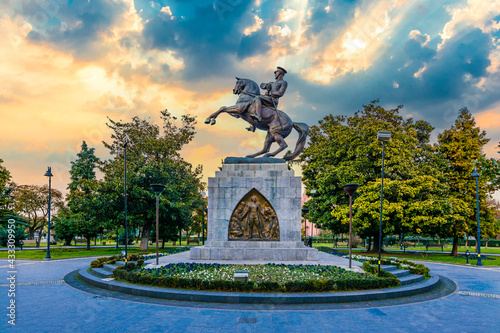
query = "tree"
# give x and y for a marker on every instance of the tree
(461, 149)
(153, 156)
(31, 201)
(83, 198)
(345, 150)
(6, 198)
(64, 226)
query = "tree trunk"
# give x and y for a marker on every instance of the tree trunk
(454, 250)
(376, 244)
(146, 230)
(88, 243)
(180, 237)
(95, 241)
(486, 245)
(466, 241)
(163, 243)
(369, 244)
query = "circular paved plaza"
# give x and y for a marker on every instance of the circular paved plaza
(46, 303)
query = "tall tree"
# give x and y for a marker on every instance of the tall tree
(461, 149)
(31, 201)
(345, 150)
(153, 156)
(83, 196)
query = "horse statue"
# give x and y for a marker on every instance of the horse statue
(276, 122)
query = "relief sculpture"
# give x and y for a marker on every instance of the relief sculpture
(254, 219)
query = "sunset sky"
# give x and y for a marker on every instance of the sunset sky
(67, 65)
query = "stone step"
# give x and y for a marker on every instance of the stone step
(389, 268)
(101, 272)
(409, 279)
(400, 273)
(110, 268)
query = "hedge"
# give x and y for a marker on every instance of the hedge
(238, 286)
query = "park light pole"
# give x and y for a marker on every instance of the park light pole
(205, 210)
(383, 136)
(350, 189)
(478, 240)
(313, 193)
(50, 175)
(157, 189)
(126, 141)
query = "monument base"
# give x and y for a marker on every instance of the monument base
(271, 185)
(255, 250)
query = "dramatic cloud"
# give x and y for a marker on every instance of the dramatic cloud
(68, 65)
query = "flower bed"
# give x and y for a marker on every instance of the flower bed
(261, 278)
(139, 258)
(400, 263)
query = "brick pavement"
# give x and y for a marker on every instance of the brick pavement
(57, 307)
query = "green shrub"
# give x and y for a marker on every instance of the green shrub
(96, 264)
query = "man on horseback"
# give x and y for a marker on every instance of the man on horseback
(274, 89)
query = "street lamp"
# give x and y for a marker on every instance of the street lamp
(157, 189)
(313, 192)
(48, 174)
(383, 136)
(126, 141)
(478, 241)
(203, 194)
(350, 189)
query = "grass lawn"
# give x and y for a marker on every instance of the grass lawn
(433, 257)
(420, 248)
(61, 253)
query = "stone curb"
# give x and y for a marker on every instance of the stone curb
(254, 298)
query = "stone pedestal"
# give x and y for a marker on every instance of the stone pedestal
(281, 189)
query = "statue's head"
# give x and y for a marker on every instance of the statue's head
(280, 71)
(238, 88)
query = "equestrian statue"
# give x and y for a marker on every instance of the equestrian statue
(261, 112)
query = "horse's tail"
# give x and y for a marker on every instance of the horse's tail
(303, 130)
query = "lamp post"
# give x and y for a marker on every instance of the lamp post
(478, 240)
(203, 194)
(313, 192)
(350, 189)
(383, 136)
(157, 189)
(48, 174)
(126, 141)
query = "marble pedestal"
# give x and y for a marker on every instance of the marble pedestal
(283, 191)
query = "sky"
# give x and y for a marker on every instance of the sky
(67, 65)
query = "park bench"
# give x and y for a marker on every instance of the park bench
(428, 245)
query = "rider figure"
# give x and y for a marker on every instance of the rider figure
(274, 89)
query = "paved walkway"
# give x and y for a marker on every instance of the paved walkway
(45, 304)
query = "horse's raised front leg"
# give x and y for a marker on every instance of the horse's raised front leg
(279, 140)
(211, 119)
(267, 144)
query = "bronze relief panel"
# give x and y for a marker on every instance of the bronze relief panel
(254, 218)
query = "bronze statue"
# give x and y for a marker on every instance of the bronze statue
(260, 112)
(254, 219)
(274, 89)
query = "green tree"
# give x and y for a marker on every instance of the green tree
(461, 149)
(6, 198)
(345, 150)
(83, 198)
(64, 226)
(153, 156)
(31, 202)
